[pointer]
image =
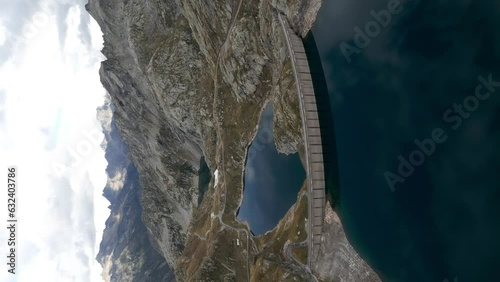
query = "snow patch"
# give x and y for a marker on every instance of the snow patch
(216, 176)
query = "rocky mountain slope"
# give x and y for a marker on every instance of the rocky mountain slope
(125, 252)
(188, 79)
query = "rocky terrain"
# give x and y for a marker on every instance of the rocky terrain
(125, 252)
(188, 80)
(338, 261)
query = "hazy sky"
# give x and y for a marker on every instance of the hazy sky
(49, 91)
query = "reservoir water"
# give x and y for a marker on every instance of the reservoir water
(416, 140)
(204, 177)
(272, 180)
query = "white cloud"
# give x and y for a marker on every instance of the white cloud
(116, 183)
(3, 33)
(48, 98)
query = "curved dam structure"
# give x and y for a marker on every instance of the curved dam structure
(312, 133)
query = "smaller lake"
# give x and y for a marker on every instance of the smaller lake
(272, 180)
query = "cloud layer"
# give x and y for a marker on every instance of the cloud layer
(49, 92)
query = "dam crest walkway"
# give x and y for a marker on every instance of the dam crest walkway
(315, 168)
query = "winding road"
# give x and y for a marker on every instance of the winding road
(313, 149)
(222, 51)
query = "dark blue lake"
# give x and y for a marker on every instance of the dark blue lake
(272, 180)
(429, 72)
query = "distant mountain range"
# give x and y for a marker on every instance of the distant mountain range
(126, 253)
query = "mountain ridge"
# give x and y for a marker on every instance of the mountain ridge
(125, 252)
(188, 80)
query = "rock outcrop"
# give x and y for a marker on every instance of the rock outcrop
(188, 79)
(338, 261)
(125, 253)
(150, 52)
